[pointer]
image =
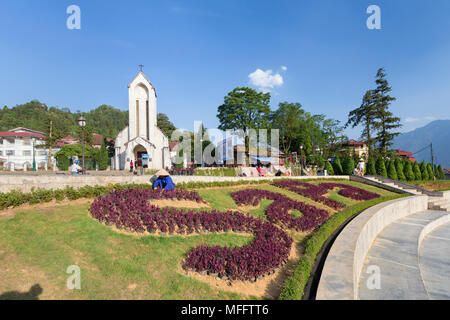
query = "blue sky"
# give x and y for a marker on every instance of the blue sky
(195, 52)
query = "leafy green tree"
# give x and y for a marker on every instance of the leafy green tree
(370, 168)
(381, 167)
(399, 169)
(348, 165)
(424, 171)
(165, 125)
(392, 171)
(365, 115)
(386, 123)
(288, 119)
(337, 166)
(244, 109)
(416, 170)
(329, 168)
(408, 171)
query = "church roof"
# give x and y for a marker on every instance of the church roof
(140, 72)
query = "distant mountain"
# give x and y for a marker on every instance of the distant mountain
(436, 132)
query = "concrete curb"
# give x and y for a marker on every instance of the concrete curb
(24, 183)
(343, 266)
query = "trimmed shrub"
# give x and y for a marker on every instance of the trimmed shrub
(400, 171)
(337, 166)
(63, 162)
(392, 172)
(348, 166)
(424, 171)
(381, 167)
(408, 171)
(416, 170)
(430, 172)
(370, 169)
(329, 168)
(441, 174)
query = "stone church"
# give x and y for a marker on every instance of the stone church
(142, 138)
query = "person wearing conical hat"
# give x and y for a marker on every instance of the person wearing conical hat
(162, 173)
(164, 181)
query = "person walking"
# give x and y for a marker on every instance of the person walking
(131, 166)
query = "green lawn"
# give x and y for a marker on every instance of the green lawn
(37, 245)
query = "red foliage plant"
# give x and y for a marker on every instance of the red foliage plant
(131, 209)
(316, 192)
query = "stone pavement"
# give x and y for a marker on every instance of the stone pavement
(396, 253)
(434, 262)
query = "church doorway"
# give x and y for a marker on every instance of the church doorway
(138, 152)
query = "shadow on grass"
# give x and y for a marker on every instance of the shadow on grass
(32, 294)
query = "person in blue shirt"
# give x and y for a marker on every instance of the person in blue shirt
(164, 181)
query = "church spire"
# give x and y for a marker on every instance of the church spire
(141, 67)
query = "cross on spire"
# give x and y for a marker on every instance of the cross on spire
(141, 66)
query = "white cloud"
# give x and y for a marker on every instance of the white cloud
(284, 68)
(411, 120)
(427, 118)
(265, 80)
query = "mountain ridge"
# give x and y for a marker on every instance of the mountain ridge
(436, 132)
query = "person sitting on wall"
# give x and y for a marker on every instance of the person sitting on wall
(360, 167)
(75, 168)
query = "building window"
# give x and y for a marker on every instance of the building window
(1, 140)
(27, 153)
(1, 152)
(11, 140)
(27, 142)
(42, 153)
(10, 152)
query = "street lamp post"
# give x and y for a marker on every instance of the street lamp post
(82, 124)
(34, 157)
(201, 149)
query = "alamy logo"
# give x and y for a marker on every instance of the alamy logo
(74, 20)
(74, 281)
(374, 21)
(374, 280)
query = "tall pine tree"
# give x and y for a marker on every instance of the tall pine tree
(386, 123)
(365, 115)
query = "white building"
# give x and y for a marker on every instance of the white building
(142, 136)
(18, 146)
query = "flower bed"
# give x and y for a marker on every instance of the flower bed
(278, 210)
(130, 209)
(316, 192)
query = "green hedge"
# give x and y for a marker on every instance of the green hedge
(16, 198)
(294, 286)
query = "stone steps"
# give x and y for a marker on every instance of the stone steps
(435, 203)
(395, 253)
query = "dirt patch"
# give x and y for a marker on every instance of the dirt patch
(179, 204)
(435, 186)
(26, 282)
(10, 212)
(269, 287)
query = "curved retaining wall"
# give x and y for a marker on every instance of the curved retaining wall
(343, 265)
(24, 183)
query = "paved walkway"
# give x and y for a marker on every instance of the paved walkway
(395, 252)
(434, 262)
